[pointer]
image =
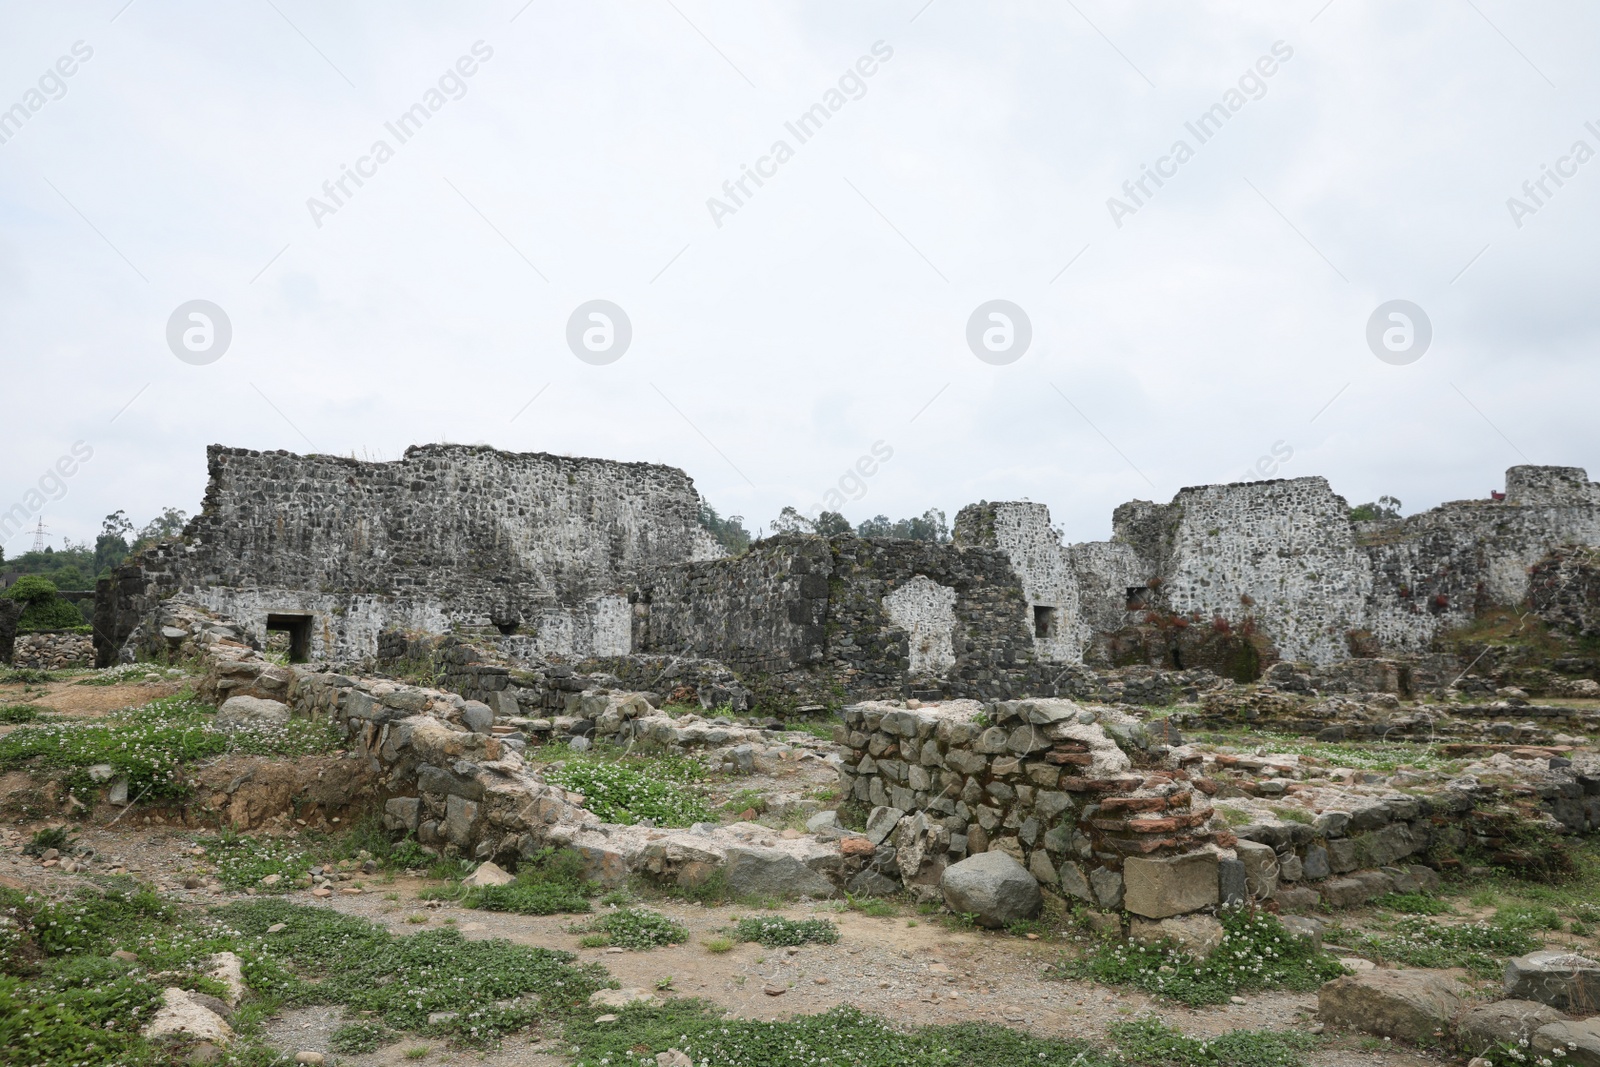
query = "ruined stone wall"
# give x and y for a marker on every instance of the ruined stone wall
(1566, 591)
(805, 620)
(446, 536)
(10, 612)
(1043, 780)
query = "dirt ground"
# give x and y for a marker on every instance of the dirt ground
(85, 701)
(910, 969)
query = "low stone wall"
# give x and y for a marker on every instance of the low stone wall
(1047, 781)
(449, 771)
(53, 650)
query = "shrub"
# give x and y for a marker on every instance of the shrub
(550, 882)
(16, 714)
(777, 932)
(637, 928)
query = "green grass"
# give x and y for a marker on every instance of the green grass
(357, 1037)
(1378, 756)
(489, 988)
(1256, 953)
(1148, 1041)
(634, 928)
(548, 883)
(630, 789)
(16, 714)
(241, 862)
(152, 746)
(848, 1037)
(1418, 941)
(774, 931)
(1415, 904)
(746, 800)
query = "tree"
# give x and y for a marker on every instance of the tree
(1387, 507)
(163, 527)
(729, 533)
(42, 608)
(930, 526)
(833, 524)
(111, 547)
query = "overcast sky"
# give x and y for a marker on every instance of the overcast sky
(1207, 322)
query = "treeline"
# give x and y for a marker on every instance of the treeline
(731, 534)
(76, 565)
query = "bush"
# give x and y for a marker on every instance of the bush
(16, 714)
(549, 883)
(778, 932)
(42, 608)
(636, 928)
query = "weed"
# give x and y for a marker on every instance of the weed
(1256, 953)
(718, 944)
(777, 932)
(876, 907)
(617, 792)
(548, 883)
(243, 862)
(19, 713)
(1420, 942)
(55, 837)
(357, 1037)
(1414, 904)
(1149, 1041)
(407, 855)
(746, 800)
(637, 928)
(416, 920)
(420, 1052)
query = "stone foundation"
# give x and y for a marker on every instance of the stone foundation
(53, 650)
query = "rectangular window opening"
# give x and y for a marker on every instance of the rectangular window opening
(1044, 621)
(298, 629)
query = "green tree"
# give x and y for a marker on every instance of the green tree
(930, 526)
(163, 527)
(729, 532)
(111, 547)
(43, 608)
(1386, 507)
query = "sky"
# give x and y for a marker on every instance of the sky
(1234, 321)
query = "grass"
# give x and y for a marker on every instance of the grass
(746, 800)
(718, 944)
(1418, 941)
(1378, 756)
(634, 928)
(849, 1036)
(774, 931)
(1256, 953)
(632, 789)
(876, 907)
(1415, 904)
(548, 883)
(152, 746)
(357, 1037)
(16, 714)
(242, 862)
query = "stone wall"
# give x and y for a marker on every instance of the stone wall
(811, 620)
(1044, 780)
(53, 650)
(447, 536)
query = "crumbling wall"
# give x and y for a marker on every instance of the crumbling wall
(446, 536)
(812, 620)
(10, 612)
(1566, 591)
(1044, 780)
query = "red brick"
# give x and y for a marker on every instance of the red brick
(1155, 826)
(856, 846)
(1077, 759)
(1142, 845)
(1206, 786)
(1115, 804)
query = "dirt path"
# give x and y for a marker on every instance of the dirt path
(85, 701)
(909, 969)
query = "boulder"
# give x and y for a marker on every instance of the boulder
(1198, 935)
(822, 820)
(1578, 1041)
(1560, 979)
(992, 886)
(1260, 868)
(251, 713)
(768, 872)
(620, 998)
(869, 883)
(488, 873)
(182, 1015)
(477, 716)
(1409, 1004)
(1505, 1021)
(1169, 885)
(1303, 928)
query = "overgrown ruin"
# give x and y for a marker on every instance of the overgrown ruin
(1244, 703)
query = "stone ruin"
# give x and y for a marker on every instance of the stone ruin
(450, 610)
(559, 561)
